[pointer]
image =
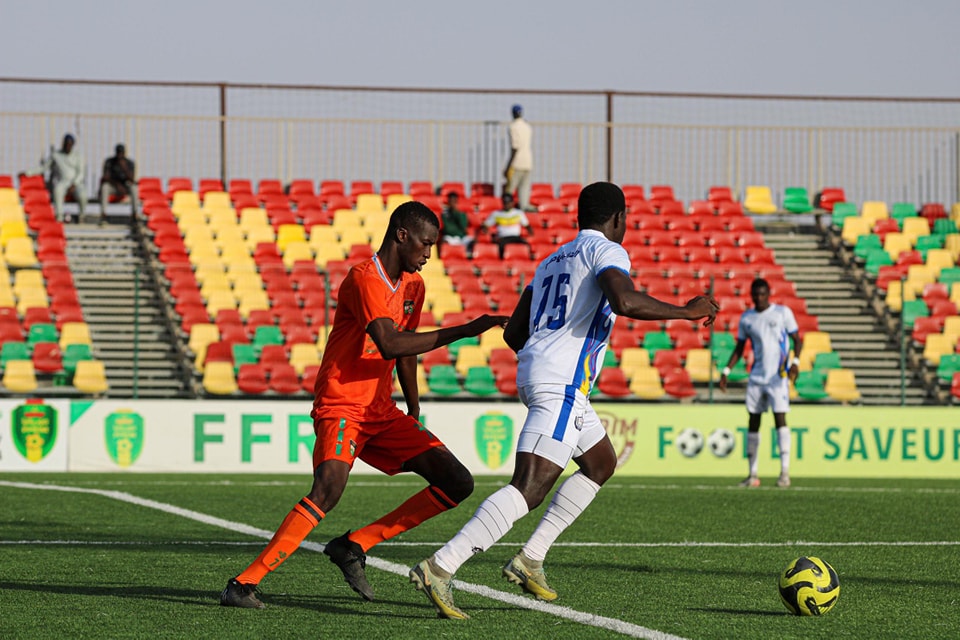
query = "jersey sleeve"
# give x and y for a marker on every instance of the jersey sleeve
(611, 255)
(790, 320)
(417, 292)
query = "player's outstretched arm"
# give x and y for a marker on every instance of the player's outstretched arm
(518, 327)
(625, 300)
(398, 344)
(407, 376)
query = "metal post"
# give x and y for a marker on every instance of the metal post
(223, 133)
(903, 346)
(136, 331)
(609, 136)
(710, 347)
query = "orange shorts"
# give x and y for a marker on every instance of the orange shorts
(384, 445)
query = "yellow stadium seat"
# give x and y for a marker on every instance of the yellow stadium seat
(288, 233)
(184, 200)
(10, 229)
(251, 300)
(206, 270)
(253, 217)
(346, 219)
(492, 339)
(841, 385)
(32, 298)
(919, 276)
(394, 200)
(376, 225)
(191, 218)
(193, 236)
(90, 377)
(323, 332)
(955, 212)
(220, 300)
(302, 355)
(873, 210)
(634, 358)
(9, 195)
(294, 251)
(350, 236)
(326, 253)
(205, 252)
(230, 236)
(220, 219)
(256, 235)
(758, 199)
(699, 367)
(470, 355)
(242, 286)
(646, 384)
(19, 376)
(215, 282)
(446, 304)
(939, 259)
(236, 254)
(323, 235)
(937, 345)
(238, 271)
(74, 333)
(219, 379)
(12, 213)
(853, 228)
(896, 243)
(369, 202)
(915, 227)
(814, 342)
(19, 253)
(217, 200)
(24, 279)
(896, 295)
(951, 324)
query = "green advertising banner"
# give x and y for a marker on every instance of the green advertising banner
(826, 441)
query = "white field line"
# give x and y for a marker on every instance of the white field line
(611, 624)
(579, 545)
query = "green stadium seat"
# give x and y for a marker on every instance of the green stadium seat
(480, 381)
(42, 332)
(809, 385)
(454, 347)
(841, 211)
(927, 242)
(265, 335)
(654, 341)
(609, 359)
(442, 380)
(901, 210)
(243, 353)
(797, 200)
(824, 361)
(875, 259)
(913, 309)
(949, 276)
(865, 244)
(14, 351)
(949, 365)
(944, 226)
(73, 354)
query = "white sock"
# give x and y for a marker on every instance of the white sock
(753, 445)
(493, 519)
(573, 496)
(783, 444)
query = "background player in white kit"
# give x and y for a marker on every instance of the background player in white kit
(560, 329)
(769, 327)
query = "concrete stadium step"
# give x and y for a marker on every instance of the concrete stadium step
(120, 298)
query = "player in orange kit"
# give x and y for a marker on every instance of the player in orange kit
(354, 415)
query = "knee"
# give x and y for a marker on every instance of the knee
(458, 486)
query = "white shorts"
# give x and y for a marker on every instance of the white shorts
(774, 396)
(561, 424)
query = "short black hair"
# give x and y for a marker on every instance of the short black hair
(411, 215)
(598, 202)
(759, 283)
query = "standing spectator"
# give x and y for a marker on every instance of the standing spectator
(770, 327)
(508, 224)
(67, 169)
(355, 416)
(119, 178)
(520, 163)
(560, 330)
(455, 224)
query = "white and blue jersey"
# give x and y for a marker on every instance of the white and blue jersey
(570, 318)
(769, 332)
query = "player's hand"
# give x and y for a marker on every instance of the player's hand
(723, 383)
(703, 307)
(486, 321)
(793, 372)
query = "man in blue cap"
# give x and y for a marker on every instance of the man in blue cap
(520, 163)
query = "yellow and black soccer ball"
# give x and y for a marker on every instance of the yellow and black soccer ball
(809, 586)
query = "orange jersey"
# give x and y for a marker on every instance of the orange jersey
(354, 380)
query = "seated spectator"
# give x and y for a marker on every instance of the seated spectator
(119, 178)
(508, 224)
(67, 169)
(455, 224)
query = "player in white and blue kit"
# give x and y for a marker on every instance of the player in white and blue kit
(560, 329)
(770, 328)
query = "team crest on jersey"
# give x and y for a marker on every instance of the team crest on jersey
(407, 307)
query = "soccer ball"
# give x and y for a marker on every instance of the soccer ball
(721, 442)
(689, 442)
(809, 587)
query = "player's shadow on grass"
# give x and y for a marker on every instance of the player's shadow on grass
(346, 605)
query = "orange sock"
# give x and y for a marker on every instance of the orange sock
(293, 530)
(418, 508)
